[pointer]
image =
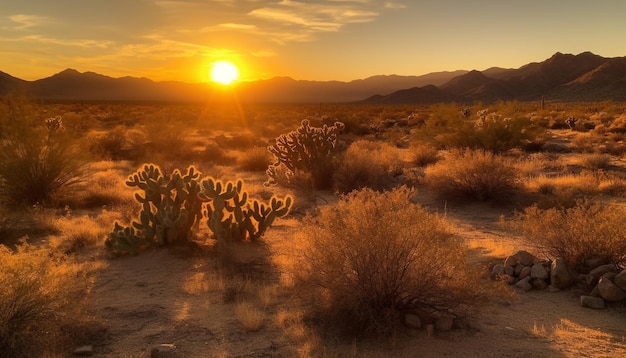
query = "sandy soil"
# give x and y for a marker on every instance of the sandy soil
(176, 297)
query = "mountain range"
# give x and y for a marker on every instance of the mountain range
(564, 77)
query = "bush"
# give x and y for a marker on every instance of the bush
(376, 256)
(586, 231)
(367, 164)
(473, 175)
(37, 164)
(423, 155)
(307, 149)
(255, 159)
(41, 294)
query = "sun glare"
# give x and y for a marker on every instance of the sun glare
(224, 72)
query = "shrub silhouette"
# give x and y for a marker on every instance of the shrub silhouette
(376, 256)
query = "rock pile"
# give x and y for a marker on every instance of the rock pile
(604, 282)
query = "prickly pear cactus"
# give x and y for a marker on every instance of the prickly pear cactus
(307, 149)
(232, 217)
(170, 208)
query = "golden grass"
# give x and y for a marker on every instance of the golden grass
(249, 316)
(77, 233)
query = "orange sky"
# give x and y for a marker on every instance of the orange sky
(312, 40)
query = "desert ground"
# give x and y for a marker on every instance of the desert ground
(181, 298)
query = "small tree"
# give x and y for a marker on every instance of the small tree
(307, 149)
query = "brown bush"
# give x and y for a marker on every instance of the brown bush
(367, 164)
(423, 155)
(375, 256)
(41, 294)
(586, 231)
(255, 159)
(473, 175)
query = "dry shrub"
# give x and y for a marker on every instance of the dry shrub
(596, 161)
(589, 230)
(474, 175)
(374, 256)
(255, 159)
(214, 153)
(367, 164)
(77, 233)
(249, 316)
(41, 297)
(423, 155)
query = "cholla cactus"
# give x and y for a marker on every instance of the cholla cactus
(170, 208)
(231, 217)
(307, 149)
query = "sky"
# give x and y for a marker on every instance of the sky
(306, 40)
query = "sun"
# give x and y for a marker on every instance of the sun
(224, 72)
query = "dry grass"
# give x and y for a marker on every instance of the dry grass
(77, 233)
(249, 316)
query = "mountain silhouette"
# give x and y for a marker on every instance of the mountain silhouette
(566, 77)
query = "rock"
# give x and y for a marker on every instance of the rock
(609, 291)
(596, 273)
(524, 284)
(620, 280)
(593, 263)
(84, 351)
(461, 323)
(510, 279)
(163, 351)
(595, 292)
(539, 271)
(559, 274)
(525, 272)
(444, 324)
(497, 272)
(552, 289)
(518, 269)
(509, 270)
(412, 321)
(592, 302)
(521, 257)
(539, 284)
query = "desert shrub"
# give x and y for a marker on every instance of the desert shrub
(596, 161)
(473, 175)
(110, 145)
(214, 153)
(307, 149)
(255, 159)
(41, 295)
(492, 133)
(373, 257)
(423, 155)
(167, 141)
(589, 230)
(38, 163)
(367, 164)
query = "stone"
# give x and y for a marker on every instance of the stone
(444, 324)
(539, 271)
(539, 284)
(412, 321)
(525, 272)
(524, 284)
(552, 289)
(497, 272)
(595, 274)
(592, 302)
(510, 279)
(518, 269)
(163, 351)
(609, 291)
(84, 351)
(509, 270)
(521, 257)
(559, 274)
(620, 280)
(593, 263)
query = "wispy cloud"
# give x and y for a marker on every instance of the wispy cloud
(25, 22)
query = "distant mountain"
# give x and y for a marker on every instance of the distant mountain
(585, 77)
(566, 77)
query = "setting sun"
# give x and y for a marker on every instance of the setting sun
(224, 72)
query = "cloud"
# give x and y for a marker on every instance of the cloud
(28, 21)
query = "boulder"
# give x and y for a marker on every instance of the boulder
(539, 271)
(559, 274)
(412, 321)
(521, 257)
(524, 284)
(524, 272)
(518, 269)
(163, 351)
(620, 280)
(539, 284)
(444, 324)
(592, 302)
(609, 291)
(497, 272)
(595, 274)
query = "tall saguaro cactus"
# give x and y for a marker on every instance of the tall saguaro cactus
(307, 149)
